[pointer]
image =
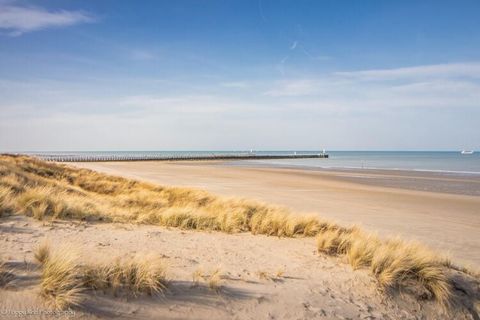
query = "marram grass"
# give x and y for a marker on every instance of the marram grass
(65, 281)
(40, 190)
(47, 190)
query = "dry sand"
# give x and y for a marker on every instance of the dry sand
(308, 286)
(390, 203)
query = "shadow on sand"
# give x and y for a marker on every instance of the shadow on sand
(178, 294)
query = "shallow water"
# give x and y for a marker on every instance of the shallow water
(446, 162)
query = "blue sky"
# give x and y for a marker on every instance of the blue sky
(216, 75)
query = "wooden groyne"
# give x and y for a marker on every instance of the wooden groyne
(160, 157)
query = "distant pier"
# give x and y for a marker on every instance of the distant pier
(163, 157)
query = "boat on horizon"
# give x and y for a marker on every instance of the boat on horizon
(467, 152)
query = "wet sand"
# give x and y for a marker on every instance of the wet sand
(442, 211)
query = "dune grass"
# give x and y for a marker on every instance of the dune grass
(61, 283)
(65, 281)
(142, 274)
(394, 263)
(42, 252)
(215, 280)
(48, 190)
(40, 190)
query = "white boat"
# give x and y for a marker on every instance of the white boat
(467, 152)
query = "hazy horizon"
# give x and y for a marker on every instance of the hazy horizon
(232, 150)
(240, 75)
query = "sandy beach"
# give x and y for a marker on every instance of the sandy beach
(92, 246)
(438, 210)
(262, 277)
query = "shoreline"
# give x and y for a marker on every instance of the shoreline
(446, 221)
(354, 168)
(462, 183)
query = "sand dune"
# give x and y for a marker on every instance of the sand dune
(444, 220)
(262, 277)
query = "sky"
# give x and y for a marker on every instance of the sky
(239, 75)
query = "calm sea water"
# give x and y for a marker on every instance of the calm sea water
(448, 162)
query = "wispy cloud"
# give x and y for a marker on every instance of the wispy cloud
(433, 86)
(16, 19)
(235, 84)
(471, 70)
(296, 87)
(314, 112)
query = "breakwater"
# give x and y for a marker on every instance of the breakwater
(175, 157)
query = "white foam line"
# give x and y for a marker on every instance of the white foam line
(372, 168)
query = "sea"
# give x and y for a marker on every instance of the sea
(429, 161)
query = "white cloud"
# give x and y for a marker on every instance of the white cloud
(435, 110)
(336, 114)
(440, 86)
(471, 70)
(17, 20)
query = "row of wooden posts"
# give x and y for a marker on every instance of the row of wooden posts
(159, 157)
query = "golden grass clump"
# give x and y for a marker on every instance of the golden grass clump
(64, 281)
(393, 262)
(274, 276)
(213, 280)
(334, 241)
(396, 262)
(42, 252)
(142, 274)
(362, 249)
(197, 276)
(61, 283)
(5, 200)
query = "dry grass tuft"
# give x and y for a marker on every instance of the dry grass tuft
(394, 263)
(197, 277)
(215, 280)
(271, 276)
(142, 274)
(6, 276)
(280, 273)
(263, 275)
(42, 251)
(61, 283)
(64, 281)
